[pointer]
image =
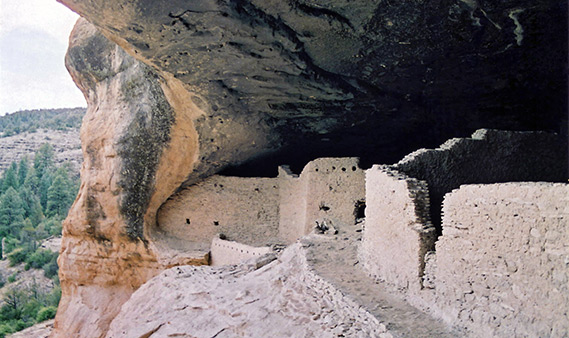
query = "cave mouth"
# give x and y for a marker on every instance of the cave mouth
(366, 143)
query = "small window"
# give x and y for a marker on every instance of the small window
(360, 210)
(187, 221)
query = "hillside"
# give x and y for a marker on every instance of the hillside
(22, 133)
(32, 120)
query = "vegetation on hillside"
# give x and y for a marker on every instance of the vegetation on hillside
(32, 120)
(35, 196)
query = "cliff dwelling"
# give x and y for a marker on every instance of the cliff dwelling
(294, 168)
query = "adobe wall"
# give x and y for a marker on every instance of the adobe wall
(489, 156)
(293, 193)
(327, 189)
(502, 262)
(225, 252)
(397, 231)
(242, 208)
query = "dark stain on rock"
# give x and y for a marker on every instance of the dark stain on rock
(140, 149)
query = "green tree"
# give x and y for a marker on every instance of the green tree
(32, 181)
(11, 213)
(60, 194)
(10, 177)
(45, 183)
(32, 206)
(46, 313)
(28, 236)
(43, 159)
(23, 168)
(14, 300)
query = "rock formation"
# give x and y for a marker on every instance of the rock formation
(373, 79)
(180, 90)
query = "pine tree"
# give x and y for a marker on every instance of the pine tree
(60, 194)
(32, 181)
(11, 213)
(43, 159)
(10, 177)
(45, 183)
(28, 236)
(23, 168)
(31, 205)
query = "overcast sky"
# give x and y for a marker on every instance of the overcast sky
(33, 41)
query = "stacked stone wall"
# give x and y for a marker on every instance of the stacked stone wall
(502, 263)
(225, 252)
(489, 156)
(397, 231)
(328, 189)
(293, 195)
(243, 209)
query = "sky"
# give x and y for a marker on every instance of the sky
(33, 40)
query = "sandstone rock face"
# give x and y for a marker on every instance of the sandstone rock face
(388, 77)
(134, 128)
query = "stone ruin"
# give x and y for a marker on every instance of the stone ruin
(495, 264)
(262, 212)
(179, 91)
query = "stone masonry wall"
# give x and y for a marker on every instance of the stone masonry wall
(225, 252)
(329, 189)
(292, 205)
(489, 156)
(397, 230)
(502, 261)
(243, 209)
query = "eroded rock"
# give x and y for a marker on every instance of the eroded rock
(196, 87)
(373, 79)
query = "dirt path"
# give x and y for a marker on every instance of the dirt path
(334, 257)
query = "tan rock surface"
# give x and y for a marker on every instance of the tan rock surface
(40, 330)
(282, 299)
(130, 134)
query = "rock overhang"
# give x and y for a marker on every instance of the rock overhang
(354, 72)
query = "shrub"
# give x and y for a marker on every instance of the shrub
(46, 313)
(50, 269)
(40, 258)
(5, 329)
(12, 278)
(18, 256)
(30, 310)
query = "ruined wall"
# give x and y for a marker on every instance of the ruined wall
(489, 156)
(501, 264)
(292, 205)
(243, 209)
(397, 231)
(330, 189)
(225, 252)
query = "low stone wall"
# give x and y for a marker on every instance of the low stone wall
(489, 156)
(225, 252)
(502, 262)
(330, 189)
(397, 229)
(244, 209)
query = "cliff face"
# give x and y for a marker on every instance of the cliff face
(374, 79)
(133, 135)
(179, 90)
